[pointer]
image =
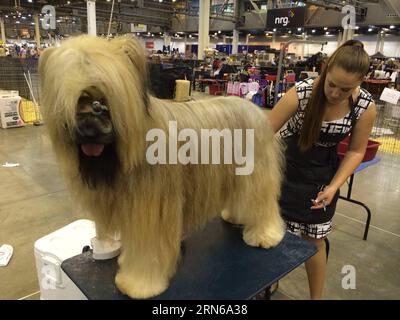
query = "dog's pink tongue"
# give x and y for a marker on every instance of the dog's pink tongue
(92, 150)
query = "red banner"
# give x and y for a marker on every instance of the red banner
(149, 44)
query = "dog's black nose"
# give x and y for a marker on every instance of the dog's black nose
(88, 131)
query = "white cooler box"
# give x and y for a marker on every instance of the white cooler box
(52, 250)
(10, 104)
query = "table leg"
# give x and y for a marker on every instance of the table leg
(350, 186)
(368, 214)
(268, 293)
(263, 295)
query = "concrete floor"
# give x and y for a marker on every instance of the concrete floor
(34, 202)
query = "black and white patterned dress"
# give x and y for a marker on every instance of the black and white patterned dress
(308, 172)
(332, 128)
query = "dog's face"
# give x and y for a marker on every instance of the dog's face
(95, 101)
(94, 129)
(95, 139)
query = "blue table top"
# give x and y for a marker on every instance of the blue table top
(215, 264)
(366, 164)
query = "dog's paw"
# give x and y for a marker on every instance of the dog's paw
(265, 238)
(139, 287)
(226, 216)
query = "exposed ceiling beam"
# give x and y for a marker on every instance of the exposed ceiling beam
(258, 11)
(394, 5)
(221, 10)
(139, 15)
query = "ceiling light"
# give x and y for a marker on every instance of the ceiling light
(313, 30)
(274, 30)
(392, 27)
(325, 28)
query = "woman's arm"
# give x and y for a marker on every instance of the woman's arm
(283, 110)
(353, 157)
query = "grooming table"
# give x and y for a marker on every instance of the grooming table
(215, 264)
(361, 167)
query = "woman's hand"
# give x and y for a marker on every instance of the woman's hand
(324, 198)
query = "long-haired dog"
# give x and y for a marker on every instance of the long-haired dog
(98, 112)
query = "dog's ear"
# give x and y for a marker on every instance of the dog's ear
(44, 57)
(134, 50)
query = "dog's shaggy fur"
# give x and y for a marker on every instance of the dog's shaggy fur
(104, 159)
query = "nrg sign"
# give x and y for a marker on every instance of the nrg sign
(286, 17)
(295, 17)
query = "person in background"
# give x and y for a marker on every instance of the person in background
(221, 70)
(2, 51)
(23, 52)
(34, 53)
(215, 64)
(17, 49)
(319, 114)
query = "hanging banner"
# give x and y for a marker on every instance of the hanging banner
(24, 33)
(286, 17)
(149, 44)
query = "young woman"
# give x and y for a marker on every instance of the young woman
(318, 114)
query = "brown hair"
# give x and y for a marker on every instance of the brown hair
(352, 58)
